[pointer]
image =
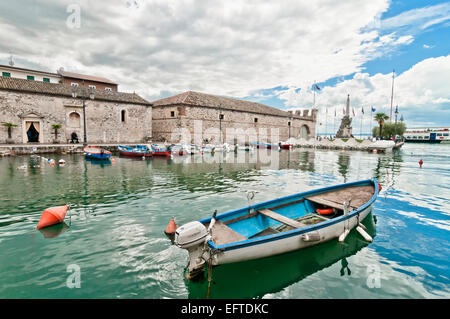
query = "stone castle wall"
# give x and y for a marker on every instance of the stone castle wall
(236, 126)
(104, 119)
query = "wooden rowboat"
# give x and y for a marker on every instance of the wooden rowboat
(136, 151)
(278, 226)
(94, 152)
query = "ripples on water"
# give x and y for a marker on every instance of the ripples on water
(120, 210)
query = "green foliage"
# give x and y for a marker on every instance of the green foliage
(8, 125)
(390, 129)
(56, 127)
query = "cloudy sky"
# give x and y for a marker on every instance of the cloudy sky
(266, 51)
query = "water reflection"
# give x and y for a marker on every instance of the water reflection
(256, 278)
(54, 231)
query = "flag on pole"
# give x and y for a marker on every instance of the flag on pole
(362, 110)
(353, 111)
(373, 109)
(317, 87)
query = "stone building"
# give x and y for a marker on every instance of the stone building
(208, 118)
(34, 106)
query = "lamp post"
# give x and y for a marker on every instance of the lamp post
(220, 126)
(83, 96)
(289, 126)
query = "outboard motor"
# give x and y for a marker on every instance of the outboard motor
(193, 236)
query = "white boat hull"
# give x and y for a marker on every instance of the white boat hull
(284, 245)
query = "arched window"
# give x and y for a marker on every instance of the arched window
(74, 119)
(123, 116)
(304, 132)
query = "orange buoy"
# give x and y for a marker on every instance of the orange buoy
(171, 227)
(420, 163)
(325, 211)
(52, 216)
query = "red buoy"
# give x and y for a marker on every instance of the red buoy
(171, 227)
(420, 163)
(52, 216)
(325, 211)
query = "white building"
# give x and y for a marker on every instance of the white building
(28, 74)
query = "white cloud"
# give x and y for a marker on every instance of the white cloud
(221, 47)
(423, 89)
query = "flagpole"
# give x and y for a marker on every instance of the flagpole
(392, 95)
(334, 121)
(326, 120)
(360, 128)
(371, 118)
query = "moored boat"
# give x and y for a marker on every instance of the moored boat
(285, 146)
(137, 150)
(278, 226)
(94, 152)
(161, 150)
(265, 145)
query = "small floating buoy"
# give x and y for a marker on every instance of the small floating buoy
(171, 227)
(420, 163)
(52, 216)
(325, 211)
(62, 162)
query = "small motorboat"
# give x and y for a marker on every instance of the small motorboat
(177, 149)
(265, 145)
(161, 150)
(97, 153)
(285, 146)
(278, 226)
(136, 151)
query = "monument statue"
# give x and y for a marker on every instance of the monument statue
(345, 130)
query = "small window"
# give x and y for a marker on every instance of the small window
(92, 87)
(289, 123)
(123, 115)
(439, 134)
(108, 89)
(46, 80)
(220, 116)
(445, 134)
(30, 77)
(172, 113)
(7, 74)
(256, 120)
(74, 84)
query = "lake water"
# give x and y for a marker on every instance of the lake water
(120, 210)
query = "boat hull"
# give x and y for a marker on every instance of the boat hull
(290, 241)
(128, 151)
(97, 153)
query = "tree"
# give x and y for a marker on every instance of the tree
(56, 127)
(380, 118)
(390, 129)
(9, 126)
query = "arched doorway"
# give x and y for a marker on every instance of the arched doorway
(304, 132)
(33, 132)
(32, 128)
(74, 120)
